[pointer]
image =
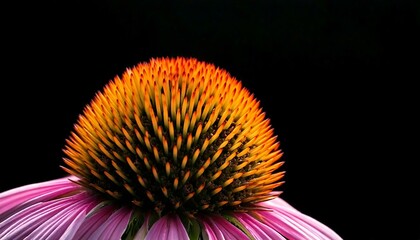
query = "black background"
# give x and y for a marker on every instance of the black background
(336, 78)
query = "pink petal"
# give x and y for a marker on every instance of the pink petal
(17, 227)
(51, 229)
(51, 217)
(94, 219)
(30, 218)
(72, 227)
(209, 233)
(259, 230)
(217, 228)
(142, 232)
(168, 227)
(36, 192)
(293, 224)
(66, 221)
(114, 226)
(286, 226)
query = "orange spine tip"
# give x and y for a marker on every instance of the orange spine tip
(216, 155)
(141, 181)
(189, 196)
(222, 203)
(146, 162)
(110, 177)
(164, 191)
(132, 166)
(168, 169)
(155, 174)
(150, 196)
(199, 172)
(238, 189)
(227, 182)
(184, 162)
(129, 146)
(189, 141)
(195, 156)
(156, 154)
(175, 154)
(216, 175)
(198, 132)
(176, 181)
(200, 188)
(186, 177)
(216, 190)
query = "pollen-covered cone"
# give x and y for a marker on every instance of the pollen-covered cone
(174, 148)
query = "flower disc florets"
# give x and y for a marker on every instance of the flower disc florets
(176, 134)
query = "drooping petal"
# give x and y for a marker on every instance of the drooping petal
(293, 224)
(49, 218)
(142, 232)
(74, 226)
(217, 228)
(209, 233)
(66, 222)
(168, 227)
(259, 230)
(93, 220)
(114, 226)
(36, 192)
(54, 210)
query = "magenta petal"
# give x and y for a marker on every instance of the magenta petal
(114, 226)
(168, 227)
(44, 218)
(93, 221)
(71, 228)
(293, 224)
(209, 233)
(286, 226)
(217, 228)
(259, 230)
(142, 232)
(20, 225)
(53, 227)
(23, 216)
(67, 221)
(23, 222)
(36, 192)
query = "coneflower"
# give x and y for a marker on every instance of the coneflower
(174, 148)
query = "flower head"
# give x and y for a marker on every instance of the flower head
(175, 148)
